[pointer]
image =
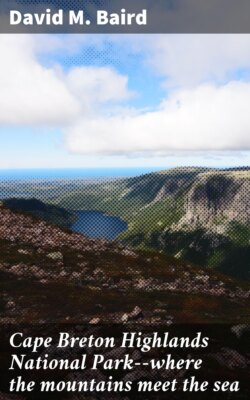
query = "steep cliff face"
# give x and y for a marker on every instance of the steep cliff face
(203, 217)
(217, 199)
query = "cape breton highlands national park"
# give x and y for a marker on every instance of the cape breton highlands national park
(124, 206)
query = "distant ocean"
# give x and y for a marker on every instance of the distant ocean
(72, 173)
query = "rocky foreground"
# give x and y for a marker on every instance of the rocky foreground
(62, 281)
(49, 274)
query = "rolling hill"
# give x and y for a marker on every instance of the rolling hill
(50, 213)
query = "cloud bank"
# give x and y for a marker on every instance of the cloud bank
(34, 95)
(207, 118)
(206, 109)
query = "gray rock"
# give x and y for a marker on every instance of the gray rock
(56, 255)
(230, 358)
(136, 313)
(95, 321)
(240, 329)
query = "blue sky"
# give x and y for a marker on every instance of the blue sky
(124, 101)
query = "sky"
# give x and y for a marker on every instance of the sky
(71, 101)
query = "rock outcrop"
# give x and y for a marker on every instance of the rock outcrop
(217, 199)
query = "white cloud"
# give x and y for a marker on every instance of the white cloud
(207, 118)
(183, 60)
(86, 102)
(187, 60)
(32, 94)
(93, 86)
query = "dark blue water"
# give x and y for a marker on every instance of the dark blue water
(96, 224)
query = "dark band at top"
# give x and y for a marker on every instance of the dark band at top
(125, 16)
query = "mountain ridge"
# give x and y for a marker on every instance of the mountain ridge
(215, 203)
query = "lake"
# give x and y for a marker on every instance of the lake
(96, 224)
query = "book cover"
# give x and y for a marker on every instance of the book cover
(124, 199)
